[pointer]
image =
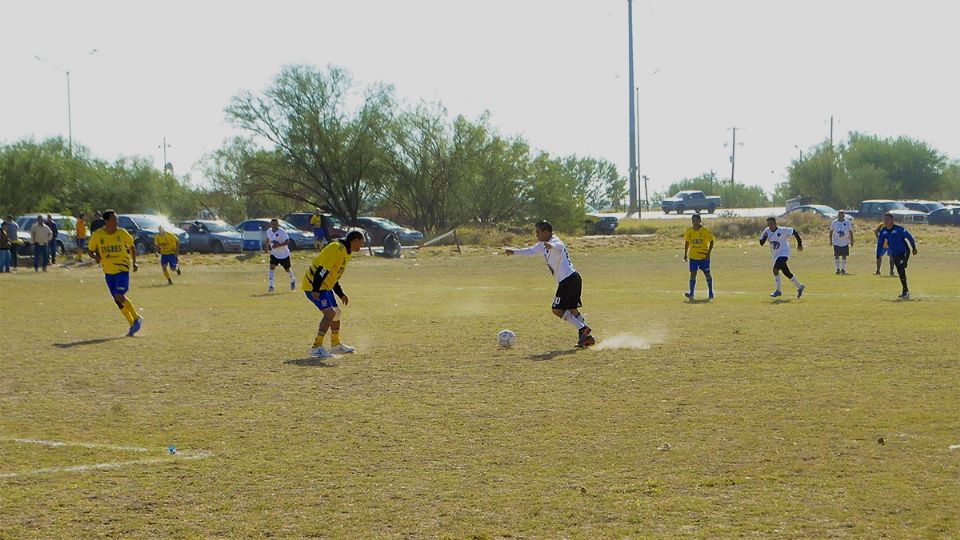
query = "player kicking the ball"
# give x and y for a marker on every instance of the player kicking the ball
(320, 283)
(567, 300)
(779, 238)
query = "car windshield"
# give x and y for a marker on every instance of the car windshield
(896, 205)
(288, 227)
(385, 223)
(219, 226)
(931, 206)
(153, 222)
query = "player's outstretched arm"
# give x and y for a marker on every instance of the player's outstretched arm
(799, 241)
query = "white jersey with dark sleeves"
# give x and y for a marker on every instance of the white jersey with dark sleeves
(779, 241)
(280, 237)
(558, 260)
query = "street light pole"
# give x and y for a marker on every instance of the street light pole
(799, 150)
(633, 114)
(166, 165)
(69, 107)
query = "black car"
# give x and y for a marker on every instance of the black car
(144, 227)
(945, 216)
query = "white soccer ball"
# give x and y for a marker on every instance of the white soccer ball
(506, 339)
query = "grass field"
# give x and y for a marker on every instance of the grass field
(743, 416)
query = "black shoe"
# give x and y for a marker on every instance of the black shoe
(178, 270)
(585, 339)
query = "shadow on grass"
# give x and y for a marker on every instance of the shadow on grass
(779, 301)
(309, 362)
(264, 295)
(155, 286)
(246, 256)
(86, 342)
(698, 301)
(551, 355)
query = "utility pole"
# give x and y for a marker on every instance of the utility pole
(733, 154)
(646, 192)
(167, 166)
(831, 132)
(633, 113)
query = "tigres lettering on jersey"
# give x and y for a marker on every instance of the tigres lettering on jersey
(167, 243)
(699, 241)
(113, 249)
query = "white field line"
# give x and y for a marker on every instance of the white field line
(180, 455)
(787, 293)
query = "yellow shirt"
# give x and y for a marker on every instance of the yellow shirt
(167, 243)
(113, 249)
(81, 229)
(333, 260)
(315, 221)
(699, 242)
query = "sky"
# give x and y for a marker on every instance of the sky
(552, 71)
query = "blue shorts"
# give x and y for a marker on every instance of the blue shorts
(699, 264)
(118, 283)
(319, 234)
(327, 300)
(81, 243)
(169, 260)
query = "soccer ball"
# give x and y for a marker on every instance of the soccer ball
(506, 339)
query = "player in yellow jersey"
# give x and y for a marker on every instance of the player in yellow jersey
(698, 244)
(81, 232)
(112, 247)
(320, 283)
(319, 231)
(166, 244)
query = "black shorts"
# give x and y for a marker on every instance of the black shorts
(284, 262)
(568, 293)
(780, 263)
(841, 251)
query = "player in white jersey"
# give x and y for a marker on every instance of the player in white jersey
(566, 302)
(779, 238)
(841, 236)
(277, 245)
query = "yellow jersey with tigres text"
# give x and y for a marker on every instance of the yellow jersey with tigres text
(699, 242)
(114, 249)
(327, 267)
(167, 243)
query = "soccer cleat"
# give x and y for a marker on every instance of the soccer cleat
(905, 296)
(135, 327)
(800, 290)
(776, 293)
(843, 272)
(178, 270)
(293, 285)
(169, 282)
(320, 352)
(710, 297)
(270, 288)
(585, 339)
(689, 295)
(342, 349)
(877, 273)
(838, 271)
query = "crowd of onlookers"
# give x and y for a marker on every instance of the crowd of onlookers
(43, 239)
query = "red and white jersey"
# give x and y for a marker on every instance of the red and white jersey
(280, 236)
(779, 241)
(840, 232)
(557, 258)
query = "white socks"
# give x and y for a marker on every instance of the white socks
(293, 279)
(795, 282)
(776, 279)
(836, 262)
(270, 274)
(843, 264)
(574, 320)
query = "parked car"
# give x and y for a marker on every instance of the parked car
(377, 228)
(144, 228)
(690, 200)
(876, 208)
(819, 210)
(597, 223)
(948, 215)
(923, 206)
(333, 225)
(211, 236)
(298, 239)
(66, 227)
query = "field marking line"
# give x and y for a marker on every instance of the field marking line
(109, 465)
(179, 455)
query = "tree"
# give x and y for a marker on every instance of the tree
(550, 194)
(325, 154)
(598, 182)
(735, 196)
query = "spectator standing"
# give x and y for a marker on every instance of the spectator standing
(52, 246)
(13, 232)
(4, 249)
(40, 235)
(97, 222)
(81, 235)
